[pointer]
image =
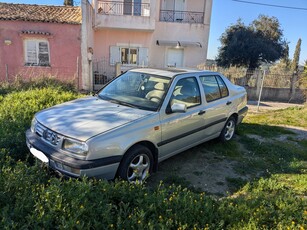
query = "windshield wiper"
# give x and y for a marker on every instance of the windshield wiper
(127, 104)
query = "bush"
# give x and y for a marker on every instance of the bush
(31, 198)
(18, 108)
(20, 84)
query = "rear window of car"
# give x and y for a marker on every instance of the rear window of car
(214, 87)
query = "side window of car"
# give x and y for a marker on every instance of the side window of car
(186, 92)
(214, 87)
(223, 87)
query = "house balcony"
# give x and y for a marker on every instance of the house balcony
(191, 17)
(124, 15)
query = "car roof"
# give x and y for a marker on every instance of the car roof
(169, 72)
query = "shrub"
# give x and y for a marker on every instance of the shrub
(41, 82)
(18, 108)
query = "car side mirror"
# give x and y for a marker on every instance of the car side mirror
(179, 108)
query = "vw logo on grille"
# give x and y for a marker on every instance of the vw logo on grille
(51, 137)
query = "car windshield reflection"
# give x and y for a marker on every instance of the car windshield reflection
(137, 90)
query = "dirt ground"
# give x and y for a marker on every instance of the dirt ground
(207, 171)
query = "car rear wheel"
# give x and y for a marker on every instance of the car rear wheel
(228, 130)
(137, 164)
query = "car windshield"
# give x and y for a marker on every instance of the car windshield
(139, 90)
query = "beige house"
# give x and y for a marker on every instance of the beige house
(140, 33)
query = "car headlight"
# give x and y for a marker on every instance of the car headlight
(33, 125)
(77, 147)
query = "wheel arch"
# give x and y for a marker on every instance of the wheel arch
(235, 116)
(151, 147)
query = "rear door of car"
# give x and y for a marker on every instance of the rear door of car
(217, 103)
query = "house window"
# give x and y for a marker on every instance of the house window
(129, 56)
(136, 56)
(37, 53)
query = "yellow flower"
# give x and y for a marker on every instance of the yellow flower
(139, 221)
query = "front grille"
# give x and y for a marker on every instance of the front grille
(52, 137)
(48, 135)
(39, 129)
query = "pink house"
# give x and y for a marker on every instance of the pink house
(37, 40)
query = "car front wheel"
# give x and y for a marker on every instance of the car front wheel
(228, 130)
(136, 164)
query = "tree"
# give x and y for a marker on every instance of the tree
(285, 59)
(68, 3)
(261, 41)
(303, 81)
(296, 56)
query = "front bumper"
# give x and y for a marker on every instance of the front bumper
(58, 160)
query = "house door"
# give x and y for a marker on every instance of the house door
(174, 58)
(137, 7)
(127, 7)
(175, 8)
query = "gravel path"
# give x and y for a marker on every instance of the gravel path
(269, 105)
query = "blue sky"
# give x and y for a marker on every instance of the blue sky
(227, 12)
(293, 22)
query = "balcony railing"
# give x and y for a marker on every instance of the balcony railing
(124, 8)
(181, 16)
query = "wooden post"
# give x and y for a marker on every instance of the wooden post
(78, 83)
(293, 84)
(258, 81)
(6, 72)
(117, 68)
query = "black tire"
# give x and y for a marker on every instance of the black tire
(136, 165)
(229, 130)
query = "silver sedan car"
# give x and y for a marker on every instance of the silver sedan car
(139, 119)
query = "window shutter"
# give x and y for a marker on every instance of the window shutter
(114, 55)
(31, 57)
(143, 57)
(43, 55)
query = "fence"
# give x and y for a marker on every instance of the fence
(283, 87)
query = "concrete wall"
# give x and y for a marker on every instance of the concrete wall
(64, 49)
(276, 94)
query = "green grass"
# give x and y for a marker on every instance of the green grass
(273, 198)
(294, 116)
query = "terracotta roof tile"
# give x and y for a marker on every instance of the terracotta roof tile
(41, 13)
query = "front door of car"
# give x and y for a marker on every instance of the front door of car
(181, 130)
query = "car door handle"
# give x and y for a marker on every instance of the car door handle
(228, 102)
(201, 112)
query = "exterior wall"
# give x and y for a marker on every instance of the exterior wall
(87, 44)
(146, 22)
(193, 55)
(107, 33)
(184, 32)
(105, 38)
(64, 50)
(109, 30)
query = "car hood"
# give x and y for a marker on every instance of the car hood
(87, 117)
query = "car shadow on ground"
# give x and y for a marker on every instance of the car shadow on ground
(221, 169)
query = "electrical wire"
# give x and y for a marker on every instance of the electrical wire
(271, 5)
